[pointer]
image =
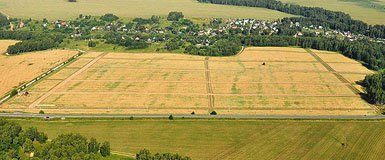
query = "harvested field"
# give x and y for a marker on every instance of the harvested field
(292, 81)
(18, 69)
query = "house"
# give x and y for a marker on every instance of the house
(21, 24)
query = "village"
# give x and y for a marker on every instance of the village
(87, 27)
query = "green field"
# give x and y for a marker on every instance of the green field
(232, 139)
(61, 9)
(369, 11)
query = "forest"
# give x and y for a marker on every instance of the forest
(314, 15)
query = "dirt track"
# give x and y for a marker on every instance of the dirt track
(196, 94)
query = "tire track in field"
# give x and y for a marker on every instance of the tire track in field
(235, 70)
(146, 81)
(209, 88)
(216, 60)
(197, 94)
(339, 76)
(53, 90)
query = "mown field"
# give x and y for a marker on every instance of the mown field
(22, 68)
(53, 10)
(292, 82)
(232, 139)
(369, 11)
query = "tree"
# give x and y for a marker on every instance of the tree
(71, 0)
(28, 146)
(213, 113)
(171, 45)
(42, 137)
(65, 146)
(175, 16)
(3, 20)
(105, 149)
(41, 112)
(93, 146)
(109, 17)
(171, 117)
(91, 44)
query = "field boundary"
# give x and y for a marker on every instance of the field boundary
(13, 92)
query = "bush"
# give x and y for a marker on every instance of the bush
(193, 113)
(109, 17)
(41, 112)
(91, 44)
(71, 0)
(171, 117)
(213, 113)
(175, 16)
(105, 149)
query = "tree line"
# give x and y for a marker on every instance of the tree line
(31, 41)
(312, 15)
(222, 47)
(16, 143)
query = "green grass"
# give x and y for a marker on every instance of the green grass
(61, 9)
(232, 139)
(369, 11)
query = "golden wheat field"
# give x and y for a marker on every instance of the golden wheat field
(291, 81)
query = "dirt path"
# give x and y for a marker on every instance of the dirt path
(53, 90)
(208, 86)
(236, 70)
(339, 76)
(134, 81)
(194, 94)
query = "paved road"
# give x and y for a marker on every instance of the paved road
(186, 116)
